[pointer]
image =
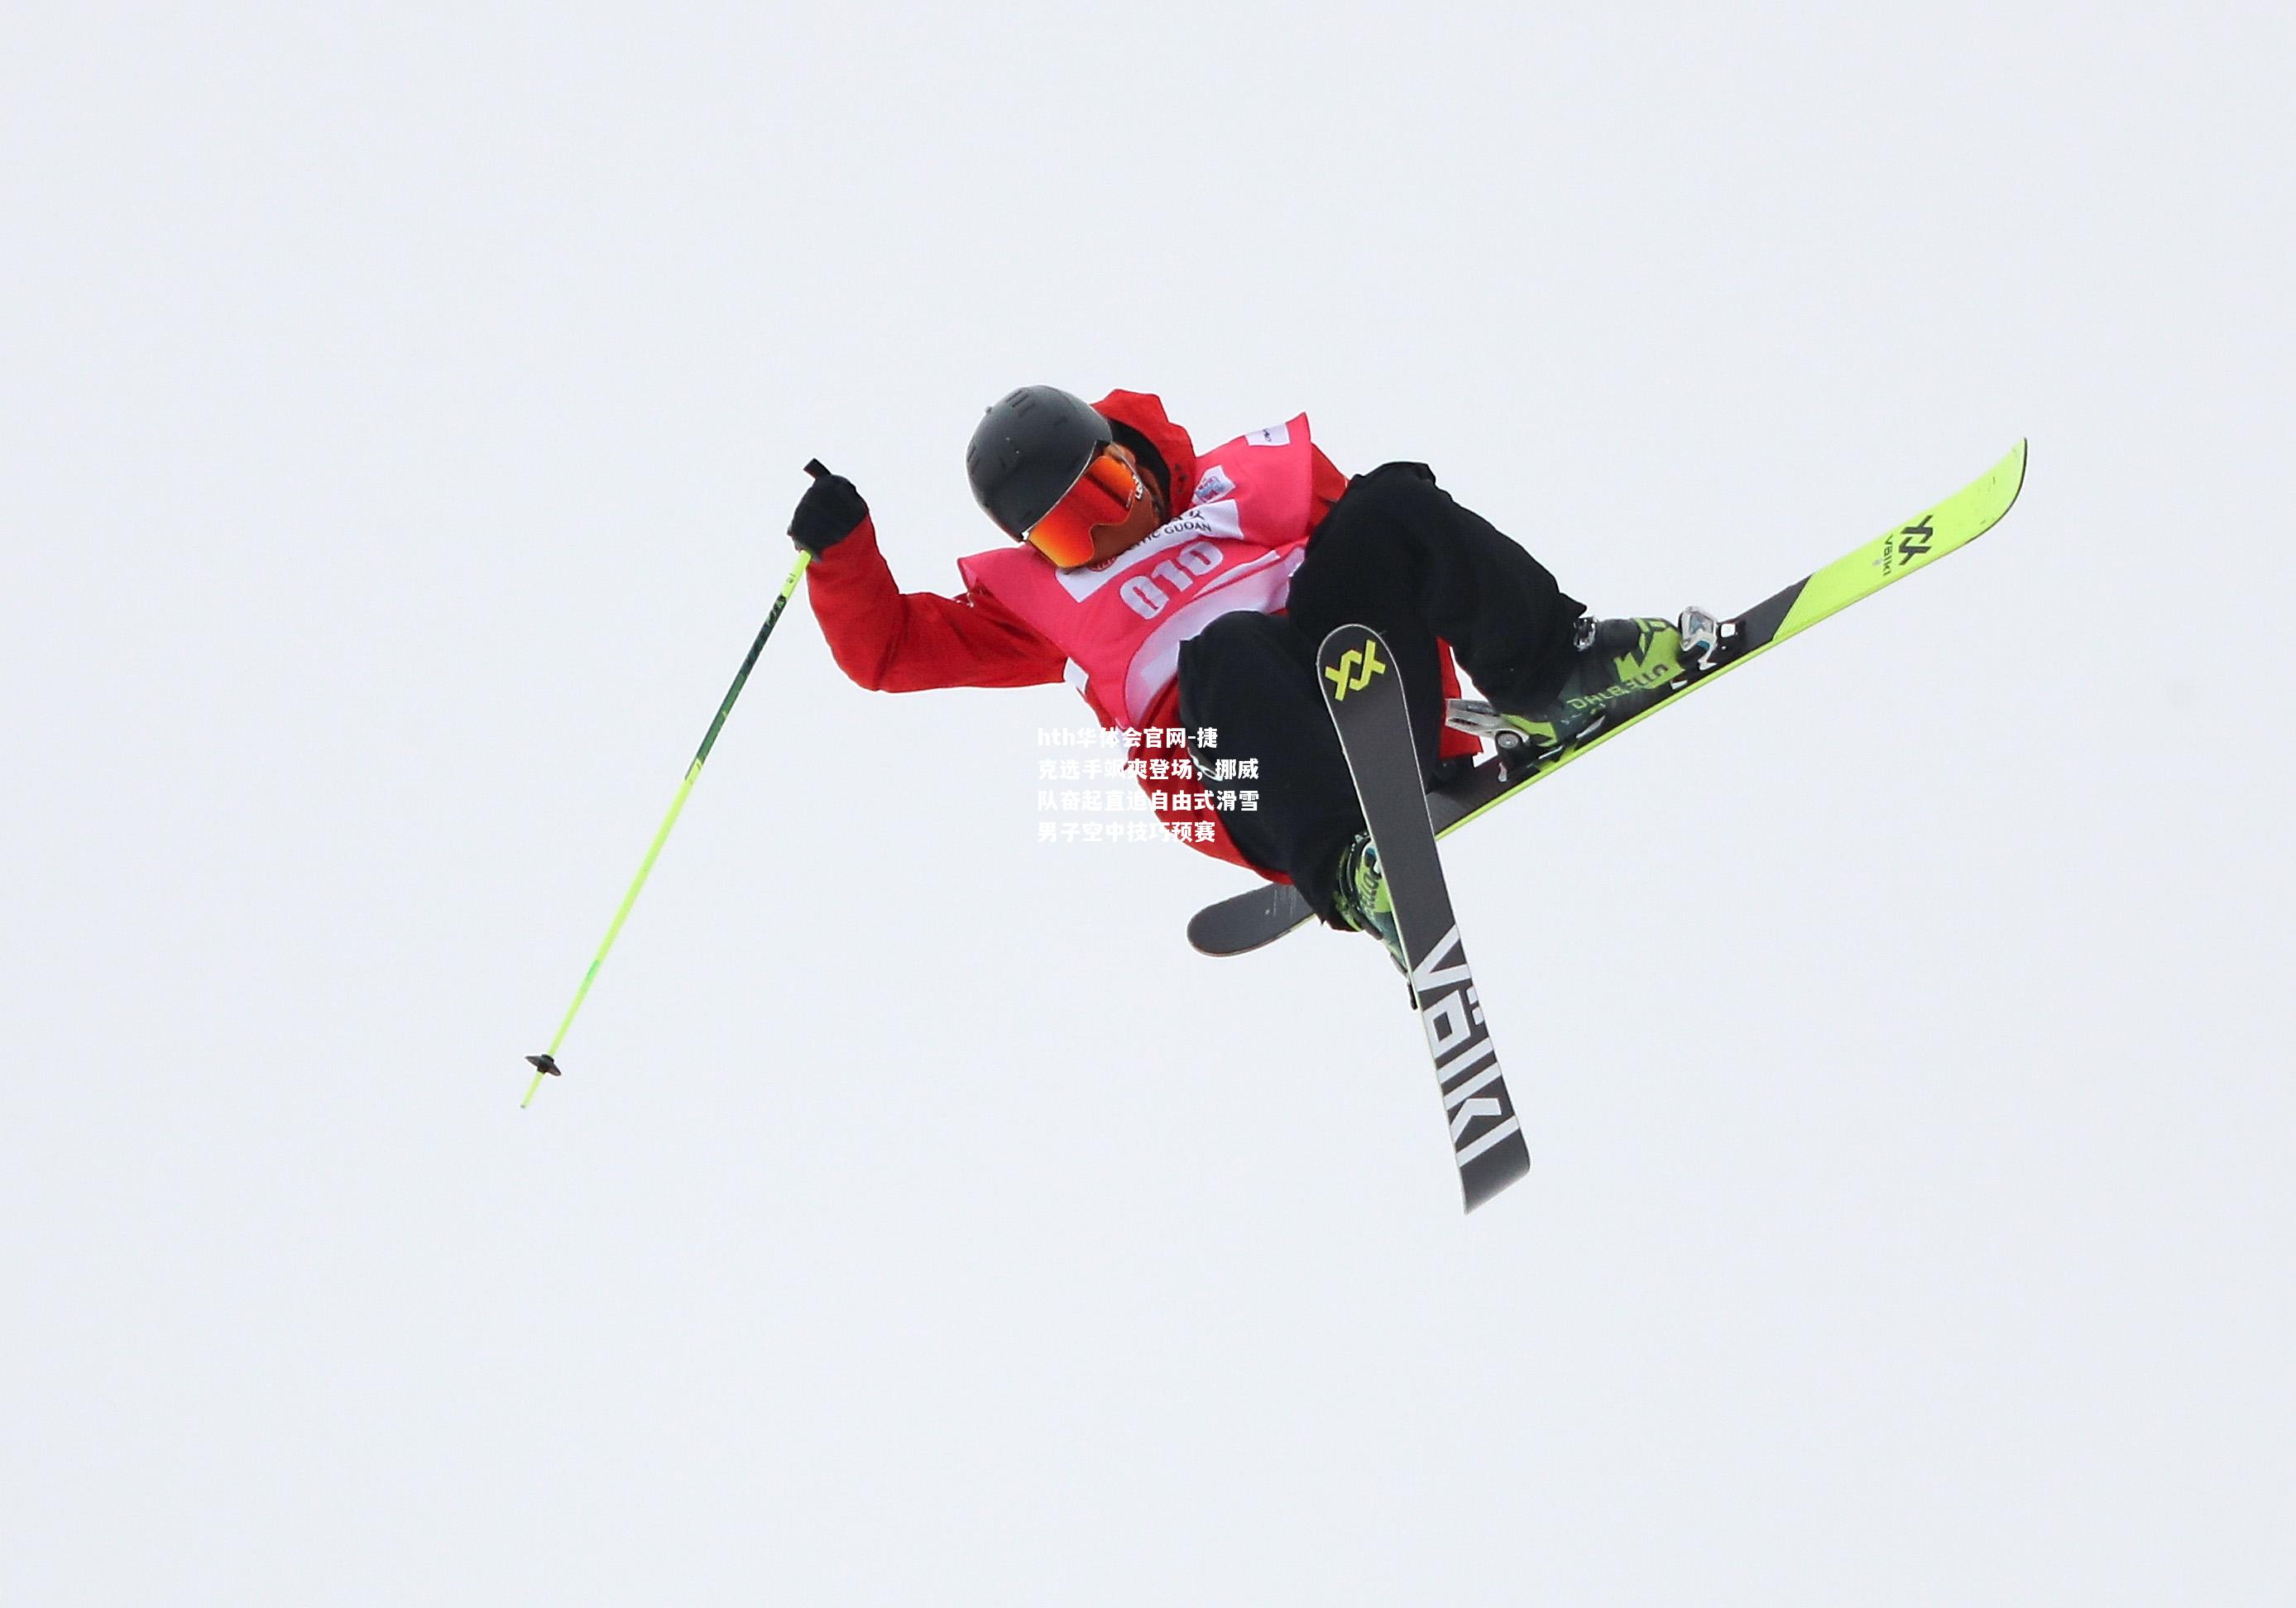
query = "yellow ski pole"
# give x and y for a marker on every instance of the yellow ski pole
(546, 1063)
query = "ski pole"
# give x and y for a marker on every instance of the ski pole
(546, 1063)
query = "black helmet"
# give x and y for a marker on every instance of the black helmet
(1029, 451)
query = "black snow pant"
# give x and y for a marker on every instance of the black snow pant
(1397, 554)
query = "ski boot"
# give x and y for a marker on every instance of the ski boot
(1617, 669)
(1360, 899)
(1706, 642)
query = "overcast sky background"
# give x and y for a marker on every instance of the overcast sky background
(399, 409)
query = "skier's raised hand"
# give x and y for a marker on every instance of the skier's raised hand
(831, 510)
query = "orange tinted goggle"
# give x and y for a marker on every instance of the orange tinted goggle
(1103, 495)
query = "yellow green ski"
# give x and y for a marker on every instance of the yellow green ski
(1260, 915)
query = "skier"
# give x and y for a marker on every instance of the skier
(1184, 590)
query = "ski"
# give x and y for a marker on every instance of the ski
(1260, 915)
(1364, 692)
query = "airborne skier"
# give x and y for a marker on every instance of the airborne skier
(1184, 590)
(1317, 623)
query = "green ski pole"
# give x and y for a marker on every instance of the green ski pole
(546, 1063)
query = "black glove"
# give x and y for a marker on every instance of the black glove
(829, 512)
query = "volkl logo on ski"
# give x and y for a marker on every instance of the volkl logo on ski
(1906, 547)
(1355, 669)
(1466, 1059)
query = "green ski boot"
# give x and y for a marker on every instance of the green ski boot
(1360, 898)
(1617, 668)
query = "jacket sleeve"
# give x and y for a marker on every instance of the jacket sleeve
(891, 641)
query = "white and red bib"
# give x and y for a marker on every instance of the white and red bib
(1121, 622)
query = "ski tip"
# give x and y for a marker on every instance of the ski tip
(2012, 467)
(2002, 483)
(1340, 638)
(1348, 659)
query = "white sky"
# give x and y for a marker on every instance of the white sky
(401, 408)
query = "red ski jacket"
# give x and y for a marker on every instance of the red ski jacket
(890, 641)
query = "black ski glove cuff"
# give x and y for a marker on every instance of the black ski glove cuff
(829, 512)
